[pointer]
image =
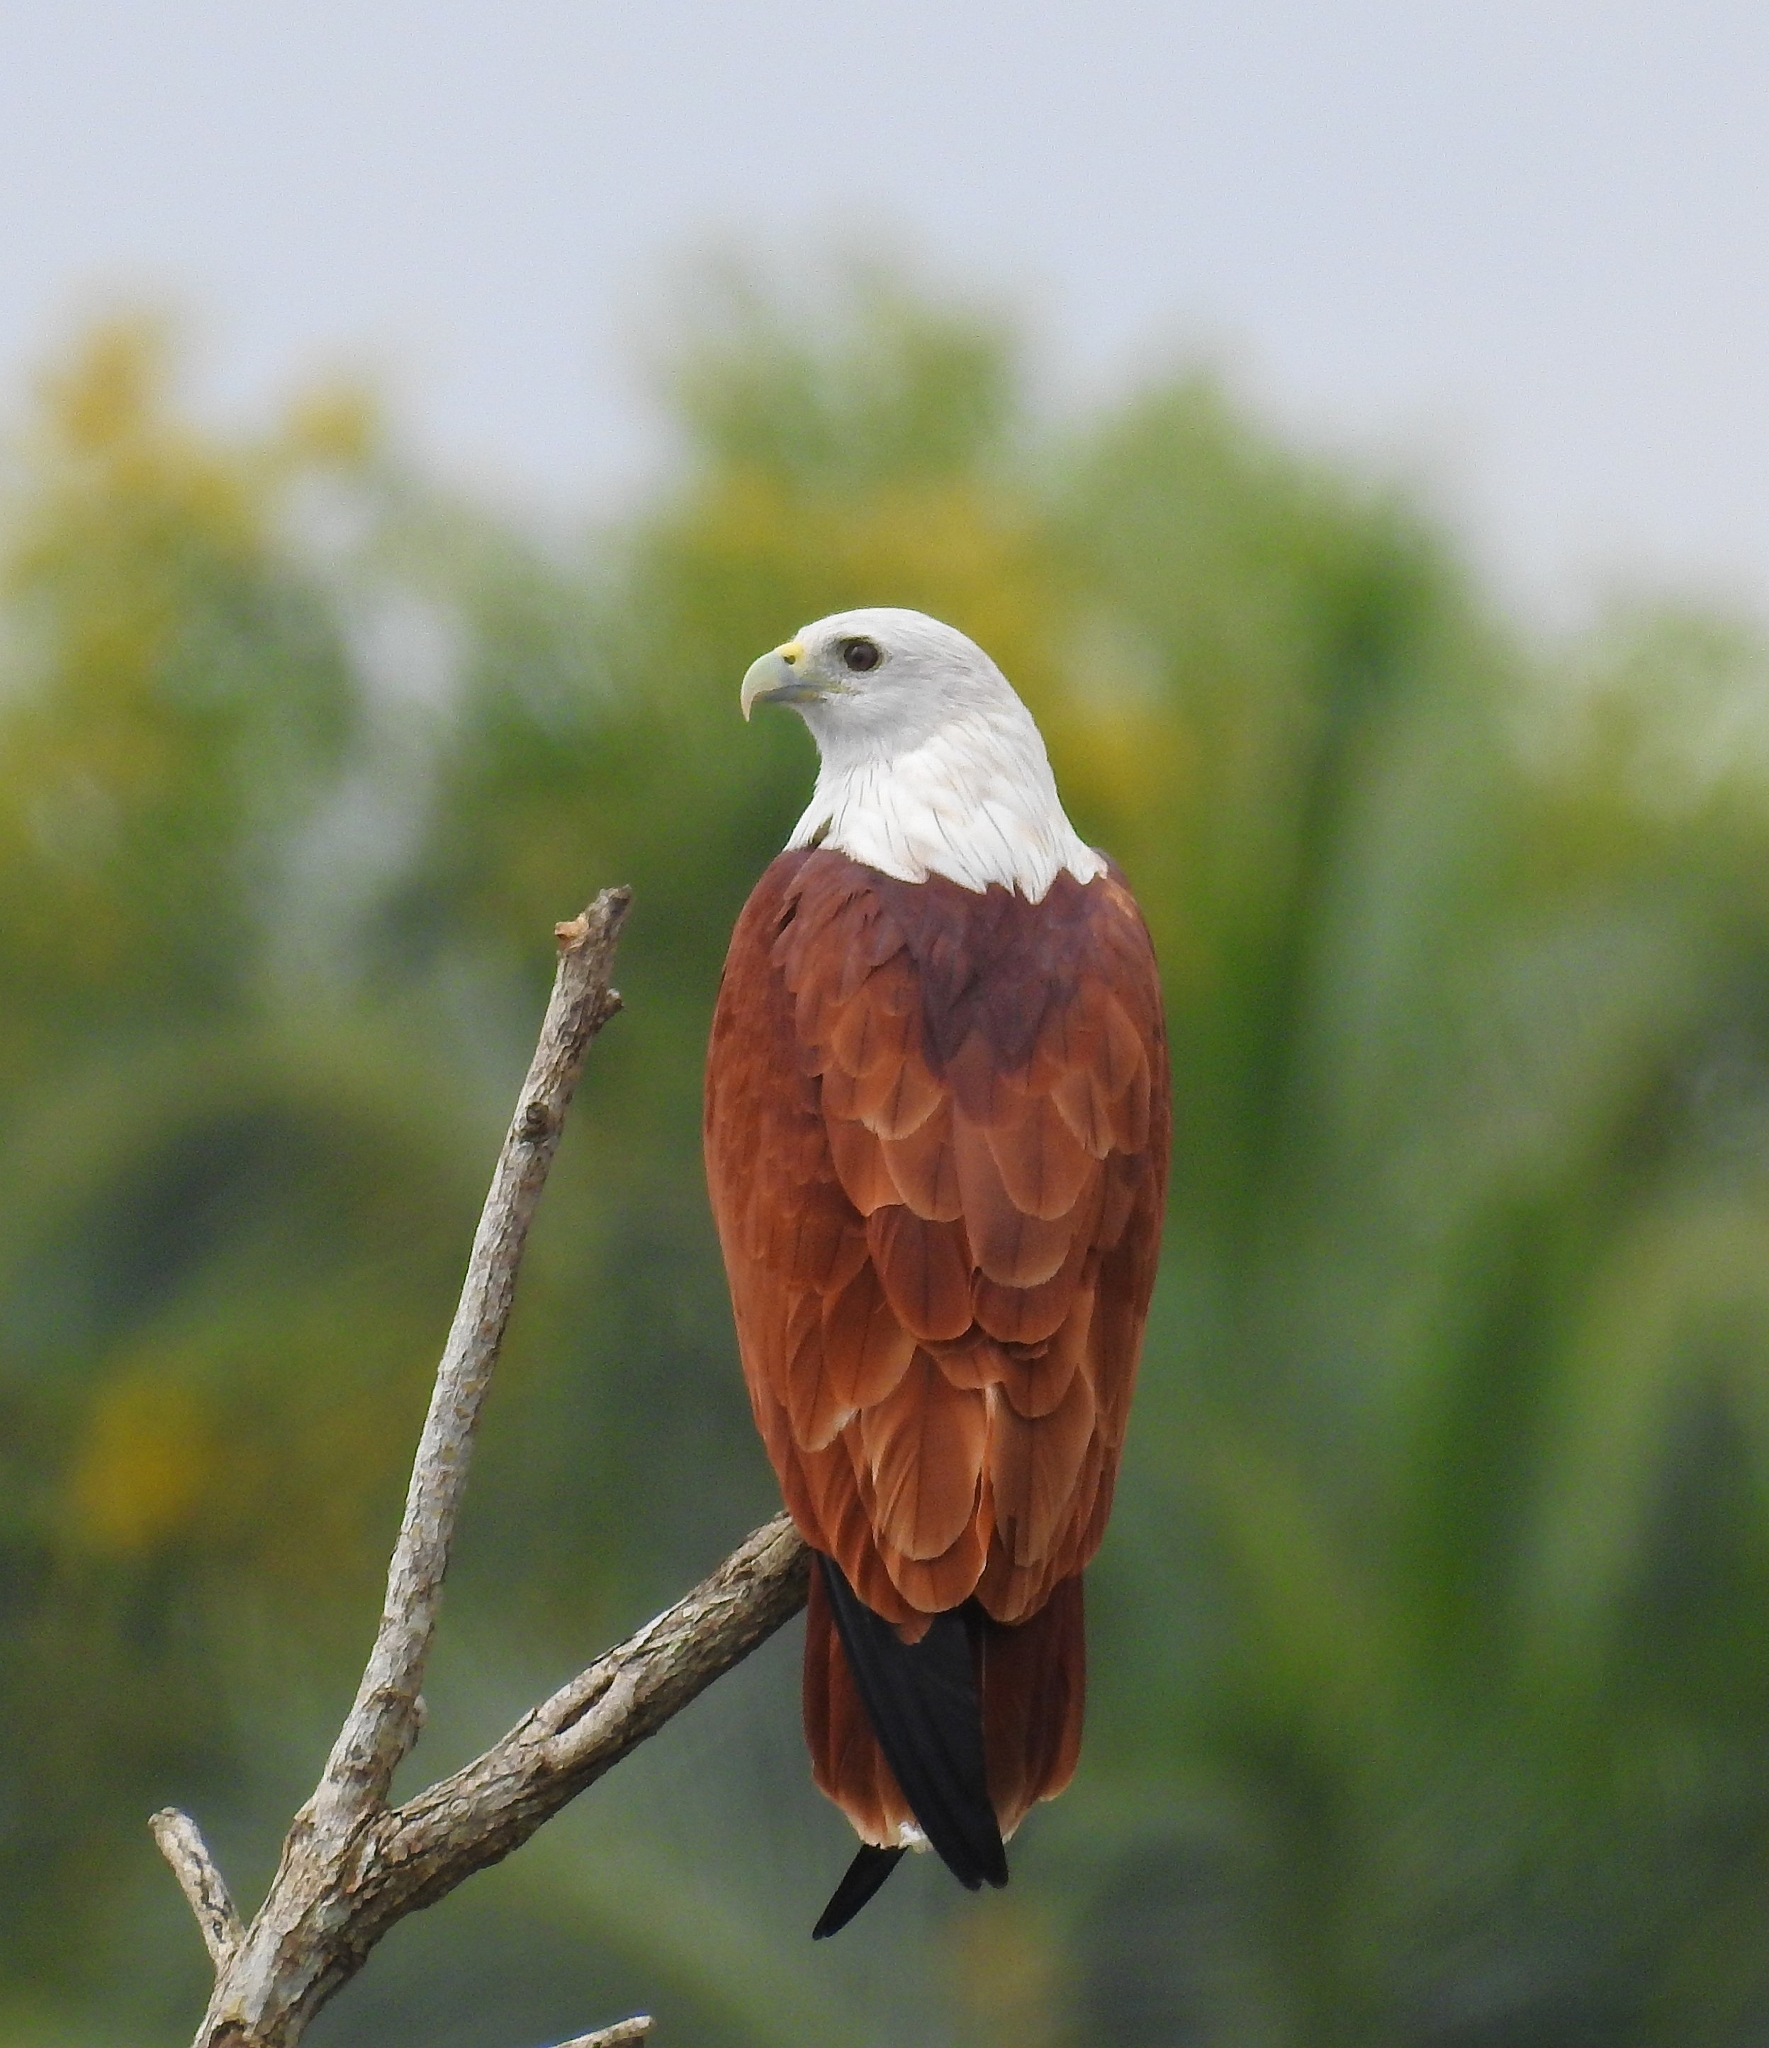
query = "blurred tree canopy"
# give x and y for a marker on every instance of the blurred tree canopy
(1431, 1682)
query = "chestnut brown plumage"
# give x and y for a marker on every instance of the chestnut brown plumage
(936, 1142)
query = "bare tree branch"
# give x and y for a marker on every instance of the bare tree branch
(612, 2037)
(564, 1745)
(382, 1724)
(351, 1867)
(181, 1843)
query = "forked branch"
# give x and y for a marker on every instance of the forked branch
(352, 1866)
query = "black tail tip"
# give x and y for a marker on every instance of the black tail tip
(985, 1863)
(860, 1880)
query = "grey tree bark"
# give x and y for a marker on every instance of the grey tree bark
(352, 1866)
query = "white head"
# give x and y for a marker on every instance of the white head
(930, 762)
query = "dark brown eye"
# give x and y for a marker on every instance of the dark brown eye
(860, 655)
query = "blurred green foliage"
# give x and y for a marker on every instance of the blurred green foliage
(1431, 1675)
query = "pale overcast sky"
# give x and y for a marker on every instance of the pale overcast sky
(1517, 246)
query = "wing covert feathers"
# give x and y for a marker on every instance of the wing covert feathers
(936, 1143)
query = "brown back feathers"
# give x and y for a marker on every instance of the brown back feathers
(936, 1139)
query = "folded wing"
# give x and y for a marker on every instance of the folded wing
(936, 1137)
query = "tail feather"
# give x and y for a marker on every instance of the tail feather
(1034, 1693)
(862, 1878)
(922, 1701)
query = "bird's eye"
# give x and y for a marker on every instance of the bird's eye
(860, 655)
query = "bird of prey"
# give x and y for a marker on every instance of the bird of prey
(936, 1144)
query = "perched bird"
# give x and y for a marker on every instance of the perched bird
(936, 1144)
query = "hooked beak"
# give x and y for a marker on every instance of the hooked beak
(779, 678)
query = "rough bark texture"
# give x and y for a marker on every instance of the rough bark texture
(183, 1847)
(351, 1866)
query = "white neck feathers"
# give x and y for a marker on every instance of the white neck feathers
(975, 801)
